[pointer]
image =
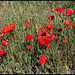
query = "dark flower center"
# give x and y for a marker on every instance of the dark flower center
(28, 37)
(51, 17)
(41, 58)
(68, 11)
(43, 43)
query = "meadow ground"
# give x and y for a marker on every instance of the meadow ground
(17, 58)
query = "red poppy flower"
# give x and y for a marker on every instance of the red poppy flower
(40, 27)
(11, 29)
(39, 37)
(4, 43)
(57, 37)
(6, 27)
(59, 30)
(42, 59)
(62, 51)
(12, 24)
(33, 51)
(29, 37)
(64, 41)
(51, 17)
(5, 30)
(50, 36)
(28, 47)
(66, 22)
(50, 26)
(70, 11)
(42, 33)
(58, 9)
(27, 23)
(10, 62)
(2, 52)
(74, 25)
(45, 17)
(11, 37)
(1, 36)
(44, 42)
(66, 14)
(46, 30)
(59, 57)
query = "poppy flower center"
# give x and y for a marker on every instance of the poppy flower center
(51, 17)
(41, 58)
(28, 37)
(67, 23)
(1, 53)
(4, 31)
(68, 11)
(44, 43)
(46, 29)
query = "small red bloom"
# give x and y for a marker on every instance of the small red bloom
(2, 52)
(28, 47)
(59, 30)
(50, 26)
(45, 17)
(48, 36)
(27, 23)
(52, 36)
(29, 37)
(66, 22)
(51, 17)
(4, 43)
(57, 37)
(5, 27)
(42, 33)
(66, 14)
(11, 29)
(11, 37)
(39, 37)
(70, 11)
(13, 25)
(35, 34)
(40, 27)
(1, 36)
(46, 30)
(58, 9)
(44, 42)
(5, 30)
(64, 41)
(10, 62)
(74, 25)
(33, 51)
(62, 51)
(72, 32)
(42, 59)
(59, 57)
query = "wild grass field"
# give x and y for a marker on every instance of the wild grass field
(20, 60)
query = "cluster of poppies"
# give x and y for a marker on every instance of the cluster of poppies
(5, 31)
(43, 37)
